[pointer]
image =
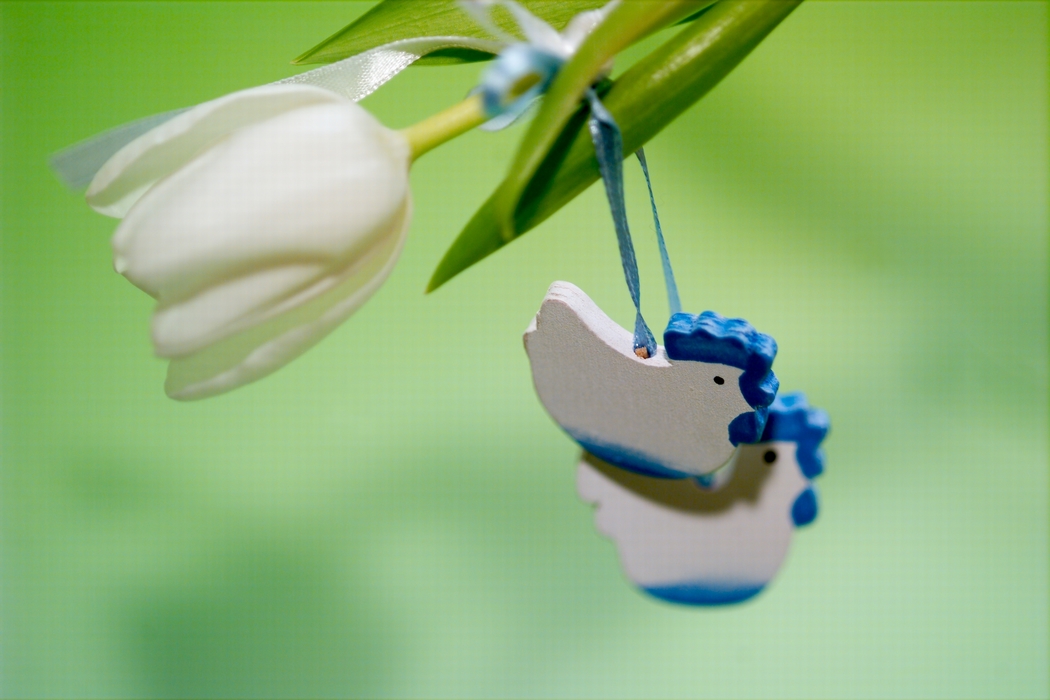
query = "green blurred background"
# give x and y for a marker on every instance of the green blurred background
(394, 514)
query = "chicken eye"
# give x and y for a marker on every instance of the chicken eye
(770, 456)
(719, 381)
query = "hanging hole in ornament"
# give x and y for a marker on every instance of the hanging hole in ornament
(719, 381)
(770, 456)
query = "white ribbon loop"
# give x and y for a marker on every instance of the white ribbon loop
(354, 78)
(358, 76)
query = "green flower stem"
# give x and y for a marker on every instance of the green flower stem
(444, 126)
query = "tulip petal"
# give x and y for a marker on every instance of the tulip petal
(262, 349)
(138, 165)
(312, 186)
(224, 309)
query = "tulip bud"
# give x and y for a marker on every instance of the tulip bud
(259, 221)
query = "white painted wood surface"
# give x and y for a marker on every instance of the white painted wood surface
(716, 546)
(654, 411)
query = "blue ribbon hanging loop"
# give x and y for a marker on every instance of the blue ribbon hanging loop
(673, 301)
(608, 147)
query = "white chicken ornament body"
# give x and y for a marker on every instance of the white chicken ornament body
(686, 544)
(680, 413)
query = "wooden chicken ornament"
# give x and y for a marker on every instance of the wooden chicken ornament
(686, 544)
(679, 413)
(649, 417)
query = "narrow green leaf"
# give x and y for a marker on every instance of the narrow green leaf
(643, 101)
(391, 20)
(627, 23)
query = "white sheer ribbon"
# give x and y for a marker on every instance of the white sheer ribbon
(354, 78)
(358, 76)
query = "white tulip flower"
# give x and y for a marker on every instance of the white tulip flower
(258, 221)
(261, 220)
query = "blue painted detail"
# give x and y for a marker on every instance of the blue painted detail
(711, 337)
(706, 481)
(704, 594)
(804, 509)
(747, 427)
(625, 458)
(792, 419)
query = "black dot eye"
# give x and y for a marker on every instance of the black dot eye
(719, 381)
(770, 456)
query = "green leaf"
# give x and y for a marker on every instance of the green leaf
(627, 23)
(645, 99)
(392, 20)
